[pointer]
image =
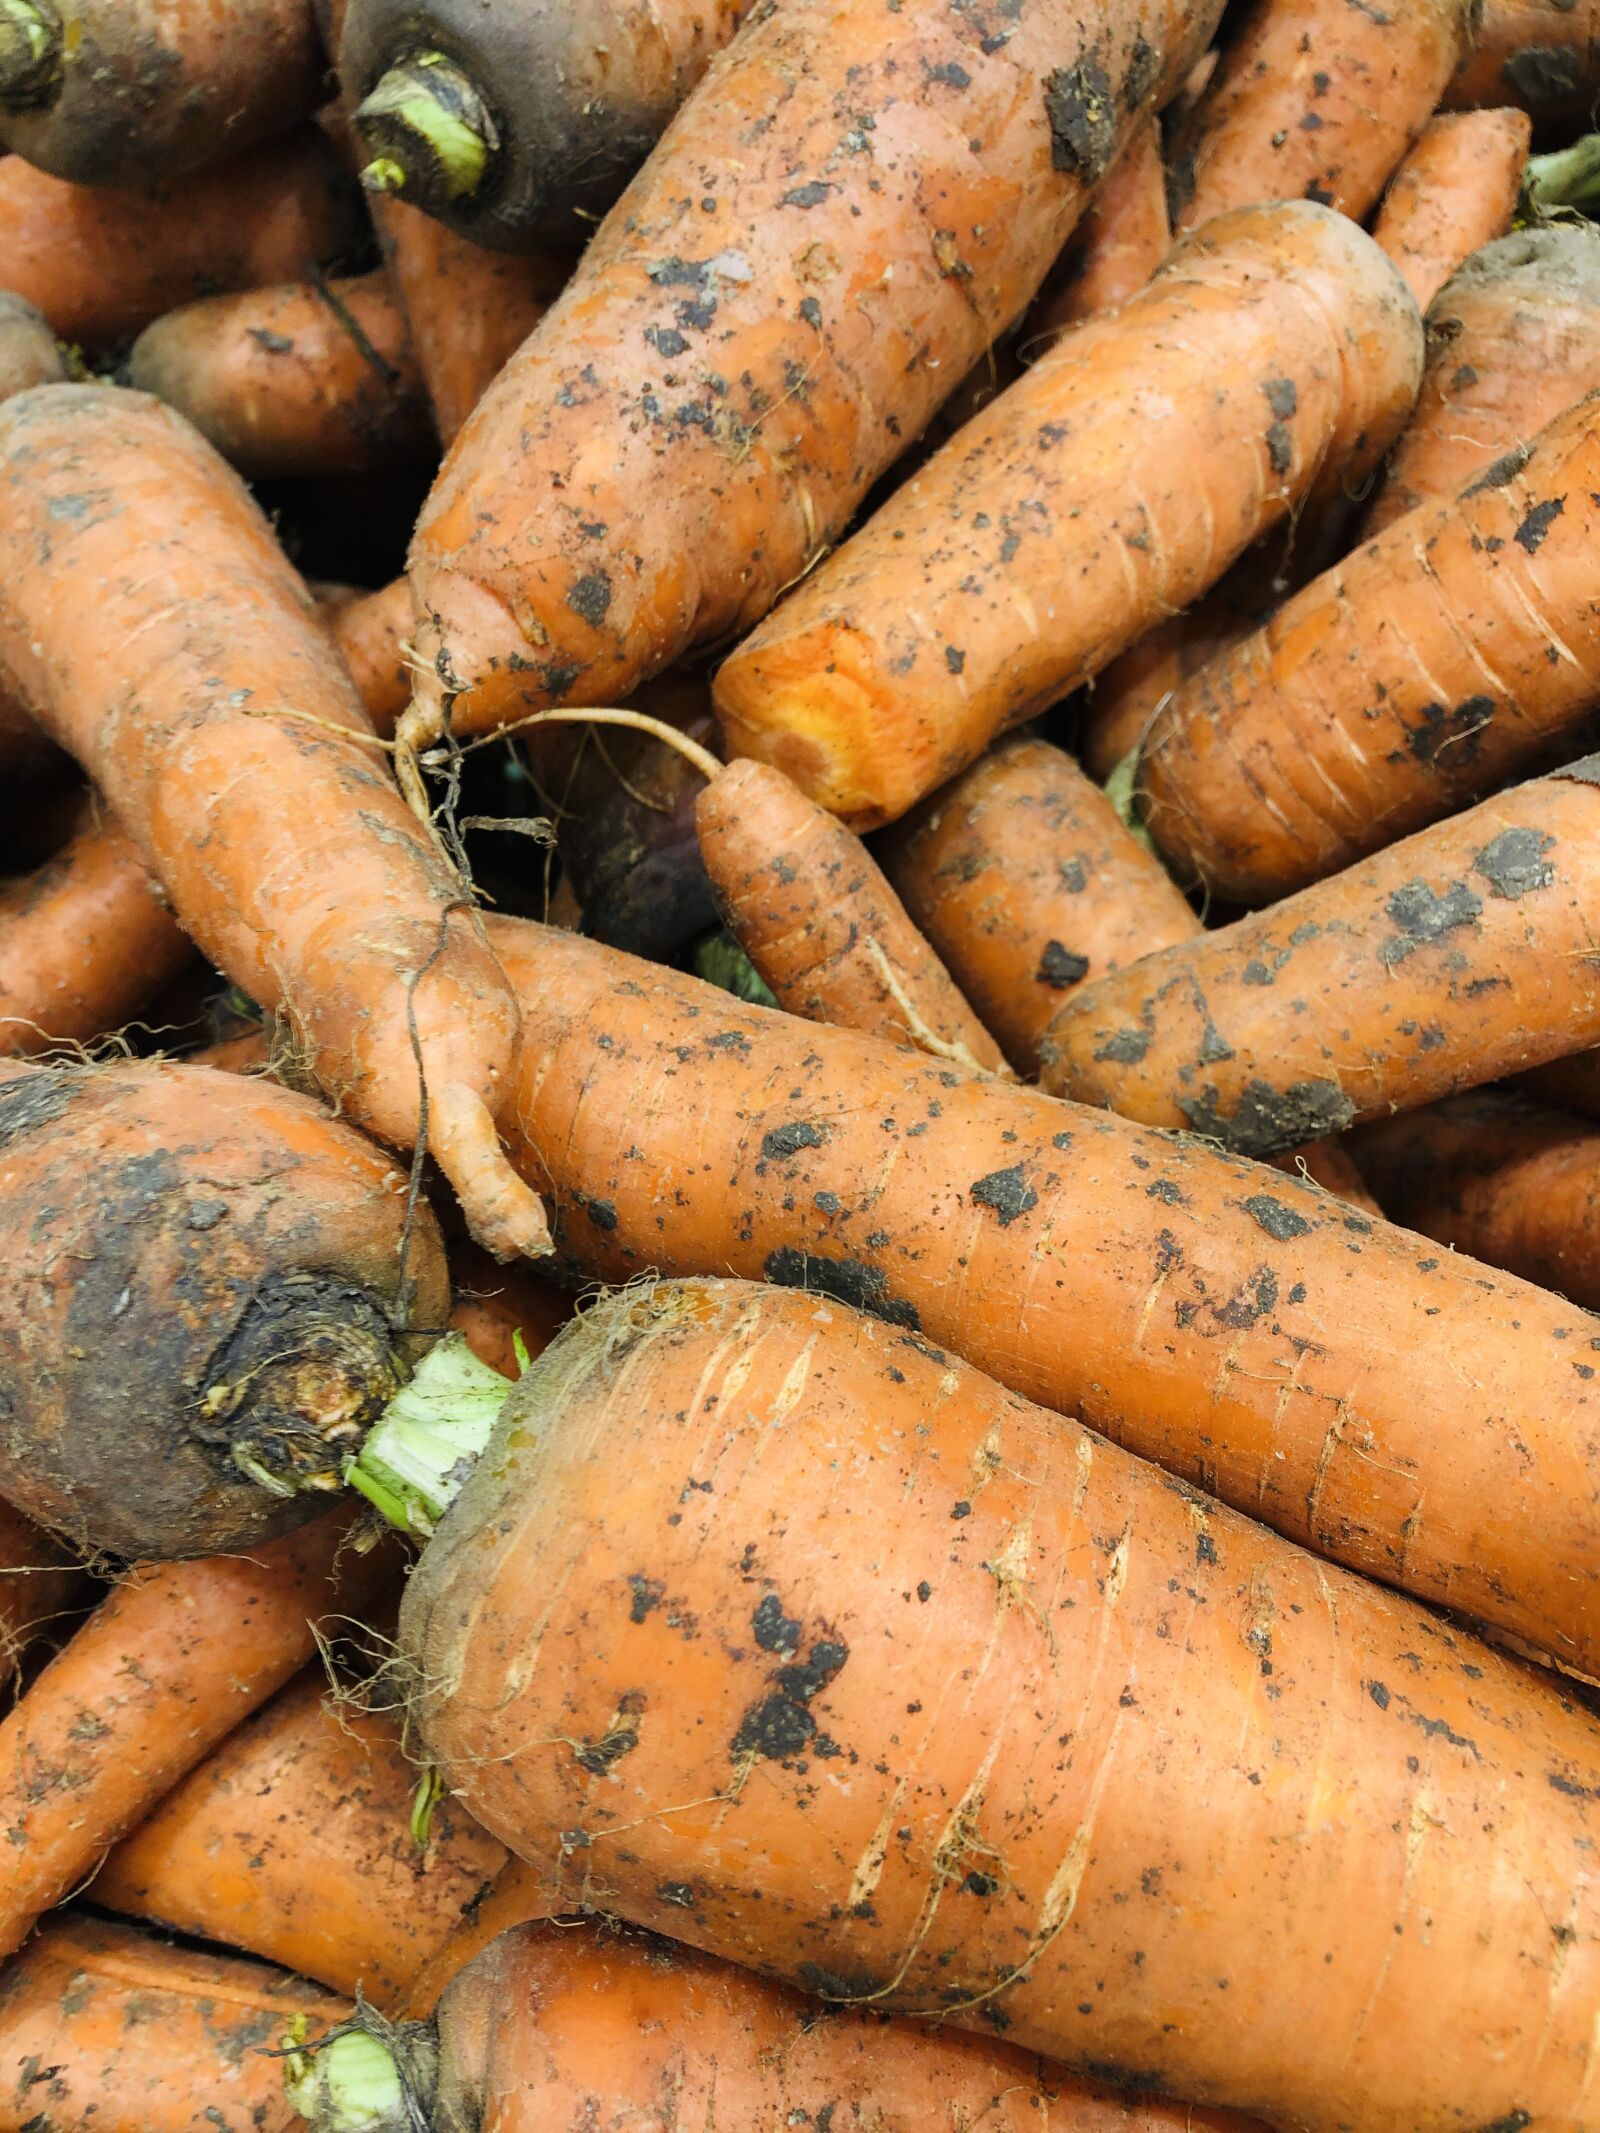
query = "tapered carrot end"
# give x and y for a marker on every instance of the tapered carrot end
(504, 1215)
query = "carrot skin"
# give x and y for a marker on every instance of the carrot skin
(1572, 1084)
(370, 633)
(1117, 246)
(516, 1899)
(946, 618)
(30, 354)
(38, 1585)
(1542, 55)
(1455, 191)
(1089, 1264)
(493, 1305)
(1050, 1666)
(714, 502)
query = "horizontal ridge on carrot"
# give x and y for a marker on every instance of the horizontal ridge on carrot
(719, 386)
(1278, 344)
(1455, 191)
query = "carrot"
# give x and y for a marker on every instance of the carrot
(1542, 55)
(117, 92)
(334, 909)
(520, 126)
(516, 1899)
(936, 1703)
(1455, 191)
(1572, 1084)
(1513, 340)
(1454, 957)
(85, 941)
(294, 1842)
(370, 633)
(1240, 1328)
(1440, 658)
(1053, 532)
(100, 264)
(159, 1675)
(30, 354)
(721, 386)
(1315, 102)
(305, 378)
(208, 1289)
(814, 913)
(38, 1585)
(496, 1306)
(1117, 246)
(105, 2027)
(610, 2027)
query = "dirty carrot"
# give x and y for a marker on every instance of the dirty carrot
(1314, 102)
(720, 389)
(38, 1585)
(30, 354)
(103, 2025)
(1242, 1328)
(1454, 957)
(811, 908)
(1055, 529)
(1542, 55)
(204, 1301)
(335, 909)
(1117, 246)
(516, 1899)
(495, 1307)
(983, 1719)
(1455, 191)
(1441, 657)
(294, 1841)
(304, 378)
(100, 264)
(173, 1658)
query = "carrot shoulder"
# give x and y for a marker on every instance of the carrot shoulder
(1455, 191)
(1057, 527)
(334, 909)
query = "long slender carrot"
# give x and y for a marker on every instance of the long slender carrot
(814, 913)
(1054, 530)
(1455, 191)
(1418, 1421)
(1316, 102)
(1117, 246)
(1445, 655)
(721, 386)
(334, 910)
(101, 264)
(174, 1658)
(516, 1899)
(934, 1702)
(38, 1585)
(304, 378)
(30, 354)
(106, 2027)
(1543, 55)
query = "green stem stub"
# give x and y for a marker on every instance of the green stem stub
(429, 1437)
(351, 2084)
(30, 54)
(1567, 177)
(428, 133)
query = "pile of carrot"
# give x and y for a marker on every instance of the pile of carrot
(799, 1066)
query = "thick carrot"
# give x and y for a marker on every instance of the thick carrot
(1542, 55)
(720, 386)
(30, 354)
(811, 908)
(580, 2025)
(105, 2027)
(168, 1664)
(519, 126)
(294, 1842)
(1442, 657)
(333, 909)
(204, 1301)
(1117, 246)
(38, 1585)
(1419, 1422)
(936, 1703)
(1452, 958)
(85, 941)
(305, 378)
(1455, 191)
(1513, 340)
(1053, 531)
(101, 264)
(1316, 102)
(120, 92)
(517, 1899)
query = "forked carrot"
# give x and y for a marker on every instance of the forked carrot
(1455, 191)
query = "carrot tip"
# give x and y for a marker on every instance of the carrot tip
(504, 1215)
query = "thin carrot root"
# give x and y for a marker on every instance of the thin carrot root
(505, 1216)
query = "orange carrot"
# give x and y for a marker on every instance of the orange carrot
(305, 378)
(982, 1719)
(1240, 1328)
(370, 633)
(1573, 1083)
(1054, 530)
(38, 1585)
(1455, 191)
(117, 92)
(720, 389)
(1439, 659)
(812, 910)
(1117, 246)
(1542, 55)
(334, 910)
(168, 1664)
(30, 354)
(516, 1899)
(294, 1841)
(100, 264)
(105, 2027)
(1314, 102)
(496, 1306)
